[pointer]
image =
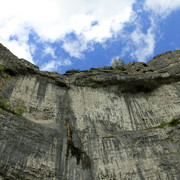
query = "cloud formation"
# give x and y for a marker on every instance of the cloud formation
(55, 65)
(91, 22)
(162, 7)
(141, 44)
(144, 43)
(51, 20)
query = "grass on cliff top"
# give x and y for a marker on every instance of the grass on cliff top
(173, 122)
(117, 64)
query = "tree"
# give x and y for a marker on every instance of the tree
(117, 63)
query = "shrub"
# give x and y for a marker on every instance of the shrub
(93, 69)
(117, 63)
(72, 71)
(111, 68)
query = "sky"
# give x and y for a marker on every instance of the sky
(58, 35)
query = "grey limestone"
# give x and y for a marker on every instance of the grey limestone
(93, 125)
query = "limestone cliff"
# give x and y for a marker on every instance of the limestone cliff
(93, 125)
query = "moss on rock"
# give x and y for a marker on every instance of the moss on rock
(6, 105)
(173, 122)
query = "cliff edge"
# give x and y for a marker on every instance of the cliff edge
(91, 125)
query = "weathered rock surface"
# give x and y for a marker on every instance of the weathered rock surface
(90, 125)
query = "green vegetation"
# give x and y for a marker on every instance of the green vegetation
(17, 110)
(3, 73)
(173, 122)
(73, 71)
(94, 69)
(104, 68)
(2, 69)
(117, 64)
(5, 104)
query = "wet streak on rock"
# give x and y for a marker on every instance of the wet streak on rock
(62, 109)
(68, 143)
(9, 87)
(139, 171)
(128, 104)
(76, 151)
(42, 88)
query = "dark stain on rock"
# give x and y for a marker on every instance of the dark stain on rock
(9, 87)
(139, 171)
(76, 151)
(41, 89)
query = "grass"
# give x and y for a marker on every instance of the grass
(2, 69)
(173, 122)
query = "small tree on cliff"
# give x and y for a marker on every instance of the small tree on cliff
(117, 63)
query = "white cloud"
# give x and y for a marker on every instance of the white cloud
(54, 65)
(76, 47)
(49, 66)
(49, 50)
(67, 62)
(144, 44)
(22, 50)
(162, 7)
(140, 44)
(53, 19)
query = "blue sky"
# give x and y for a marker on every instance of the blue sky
(58, 35)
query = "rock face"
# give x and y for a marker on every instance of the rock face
(92, 125)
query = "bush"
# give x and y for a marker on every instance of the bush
(111, 68)
(72, 71)
(117, 63)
